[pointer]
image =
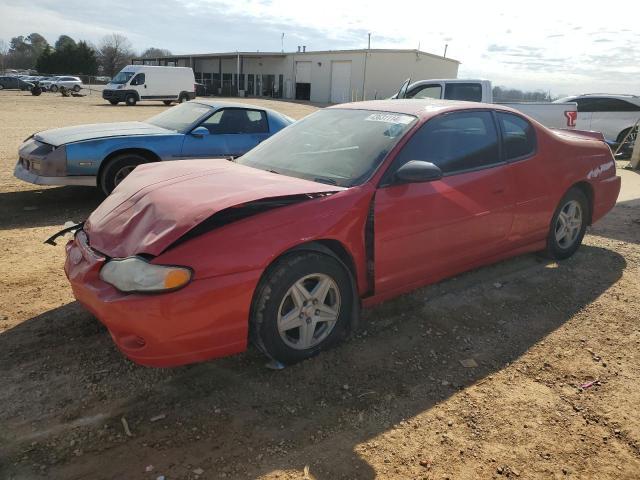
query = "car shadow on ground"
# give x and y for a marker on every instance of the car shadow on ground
(47, 206)
(65, 383)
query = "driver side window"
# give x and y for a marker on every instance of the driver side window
(426, 91)
(454, 142)
(139, 79)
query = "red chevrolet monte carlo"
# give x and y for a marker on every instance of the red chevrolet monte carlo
(355, 204)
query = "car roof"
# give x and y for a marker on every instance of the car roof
(216, 104)
(422, 108)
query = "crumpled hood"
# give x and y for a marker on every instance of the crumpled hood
(159, 202)
(78, 133)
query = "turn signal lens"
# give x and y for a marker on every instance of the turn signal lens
(135, 274)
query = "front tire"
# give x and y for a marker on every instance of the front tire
(76, 88)
(183, 98)
(113, 102)
(53, 88)
(303, 305)
(130, 100)
(167, 102)
(568, 225)
(118, 169)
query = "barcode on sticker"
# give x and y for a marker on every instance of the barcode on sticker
(389, 118)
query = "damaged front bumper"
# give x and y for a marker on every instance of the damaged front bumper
(45, 164)
(21, 173)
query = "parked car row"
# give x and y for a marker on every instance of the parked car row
(46, 83)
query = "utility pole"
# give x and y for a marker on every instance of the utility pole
(364, 75)
(446, 45)
(282, 42)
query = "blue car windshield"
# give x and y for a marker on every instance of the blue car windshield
(334, 146)
(181, 117)
(122, 78)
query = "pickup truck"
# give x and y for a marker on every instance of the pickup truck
(551, 115)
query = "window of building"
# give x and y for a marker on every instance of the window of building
(454, 142)
(519, 138)
(251, 84)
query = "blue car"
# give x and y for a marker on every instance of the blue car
(103, 154)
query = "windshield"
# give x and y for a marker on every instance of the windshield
(122, 77)
(334, 146)
(181, 117)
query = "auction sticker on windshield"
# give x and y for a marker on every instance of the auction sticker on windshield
(390, 118)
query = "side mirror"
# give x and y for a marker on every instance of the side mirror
(200, 132)
(416, 171)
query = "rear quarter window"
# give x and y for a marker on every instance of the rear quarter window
(518, 136)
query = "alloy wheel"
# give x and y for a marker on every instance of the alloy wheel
(309, 311)
(568, 224)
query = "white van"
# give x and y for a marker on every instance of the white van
(144, 82)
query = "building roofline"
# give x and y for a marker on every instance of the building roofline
(284, 54)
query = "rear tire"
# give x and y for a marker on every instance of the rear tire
(53, 88)
(167, 102)
(302, 305)
(113, 102)
(130, 100)
(118, 169)
(36, 91)
(568, 225)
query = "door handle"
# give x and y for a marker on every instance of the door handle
(498, 191)
(145, 85)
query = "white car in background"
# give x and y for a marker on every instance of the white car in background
(72, 83)
(612, 115)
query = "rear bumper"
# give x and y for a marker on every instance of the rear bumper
(606, 193)
(21, 173)
(206, 319)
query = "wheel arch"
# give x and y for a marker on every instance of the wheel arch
(586, 188)
(148, 154)
(331, 247)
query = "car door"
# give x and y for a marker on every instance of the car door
(138, 83)
(530, 176)
(428, 230)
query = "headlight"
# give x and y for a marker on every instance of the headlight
(134, 274)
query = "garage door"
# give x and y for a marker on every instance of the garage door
(303, 72)
(340, 82)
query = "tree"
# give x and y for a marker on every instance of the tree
(4, 49)
(114, 52)
(155, 53)
(23, 52)
(64, 40)
(37, 43)
(68, 57)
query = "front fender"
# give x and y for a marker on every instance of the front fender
(85, 158)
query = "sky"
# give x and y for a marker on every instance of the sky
(564, 47)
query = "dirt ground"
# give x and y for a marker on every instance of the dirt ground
(395, 401)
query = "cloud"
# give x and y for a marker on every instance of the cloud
(532, 50)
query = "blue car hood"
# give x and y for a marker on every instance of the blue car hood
(60, 136)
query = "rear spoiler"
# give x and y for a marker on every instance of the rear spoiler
(580, 133)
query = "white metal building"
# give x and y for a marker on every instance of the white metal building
(332, 76)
